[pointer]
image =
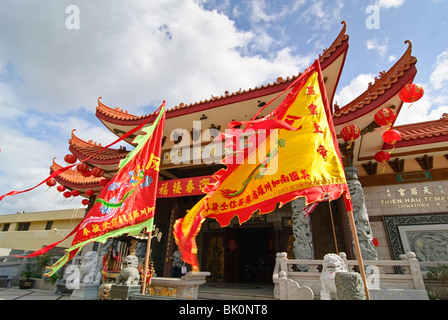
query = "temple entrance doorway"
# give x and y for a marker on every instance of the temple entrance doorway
(248, 254)
(331, 229)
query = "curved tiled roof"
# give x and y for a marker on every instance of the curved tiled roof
(421, 133)
(423, 130)
(382, 85)
(71, 178)
(88, 148)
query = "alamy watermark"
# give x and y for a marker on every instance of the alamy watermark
(233, 146)
(373, 20)
(72, 22)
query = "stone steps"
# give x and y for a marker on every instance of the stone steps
(235, 292)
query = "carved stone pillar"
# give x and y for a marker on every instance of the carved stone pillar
(361, 217)
(303, 243)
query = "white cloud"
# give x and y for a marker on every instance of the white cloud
(440, 73)
(323, 15)
(356, 87)
(374, 44)
(416, 112)
(390, 3)
(129, 54)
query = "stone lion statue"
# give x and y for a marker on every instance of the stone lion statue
(90, 272)
(129, 275)
(331, 265)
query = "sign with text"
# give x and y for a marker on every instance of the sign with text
(415, 196)
(183, 187)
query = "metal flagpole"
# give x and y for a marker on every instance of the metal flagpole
(358, 253)
(146, 265)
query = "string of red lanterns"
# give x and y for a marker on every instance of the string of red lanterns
(86, 172)
(386, 117)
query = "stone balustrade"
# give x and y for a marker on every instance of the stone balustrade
(403, 274)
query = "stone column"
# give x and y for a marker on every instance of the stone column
(361, 217)
(303, 243)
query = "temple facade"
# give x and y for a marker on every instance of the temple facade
(400, 205)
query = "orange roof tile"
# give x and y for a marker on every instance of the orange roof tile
(88, 148)
(71, 178)
(422, 130)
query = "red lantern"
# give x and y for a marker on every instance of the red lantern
(391, 137)
(382, 156)
(70, 158)
(82, 167)
(104, 182)
(350, 133)
(87, 174)
(67, 194)
(411, 92)
(85, 202)
(90, 192)
(60, 188)
(385, 117)
(75, 193)
(97, 172)
(51, 183)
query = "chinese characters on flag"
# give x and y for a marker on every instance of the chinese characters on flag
(126, 205)
(303, 161)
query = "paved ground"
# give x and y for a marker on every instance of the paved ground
(208, 291)
(14, 293)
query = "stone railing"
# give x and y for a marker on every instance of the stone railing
(404, 274)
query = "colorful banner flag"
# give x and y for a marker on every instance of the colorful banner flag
(126, 205)
(300, 162)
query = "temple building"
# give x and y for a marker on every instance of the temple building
(400, 204)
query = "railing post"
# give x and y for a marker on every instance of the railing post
(283, 261)
(416, 272)
(283, 286)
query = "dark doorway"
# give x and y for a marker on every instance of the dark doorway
(248, 254)
(331, 233)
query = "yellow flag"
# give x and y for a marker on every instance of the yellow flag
(275, 166)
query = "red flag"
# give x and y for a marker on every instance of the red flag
(127, 202)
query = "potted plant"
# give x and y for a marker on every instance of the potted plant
(26, 282)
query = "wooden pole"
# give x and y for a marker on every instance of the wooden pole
(146, 264)
(358, 253)
(332, 225)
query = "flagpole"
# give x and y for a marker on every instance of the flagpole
(146, 265)
(358, 253)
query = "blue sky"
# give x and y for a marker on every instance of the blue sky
(136, 53)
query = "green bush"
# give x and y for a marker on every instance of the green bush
(439, 273)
